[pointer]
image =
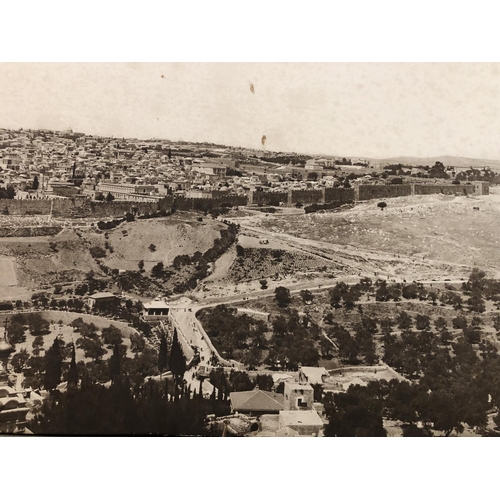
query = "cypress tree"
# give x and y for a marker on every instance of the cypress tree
(115, 364)
(73, 370)
(53, 366)
(162, 354)
(177, 361)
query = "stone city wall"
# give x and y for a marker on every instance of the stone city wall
(74, 207)
(451, 189)
(341, 195)
(268, 198)
(305, 196)
(375, 191)
(84, 207)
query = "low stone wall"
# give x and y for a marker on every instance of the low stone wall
(67, 317)
(22, 232)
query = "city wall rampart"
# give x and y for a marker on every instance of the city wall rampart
(451, 189)
(84, 207)
(305, 196)
(375, 191)
(341, 195)
(267, 198)
(74, 207)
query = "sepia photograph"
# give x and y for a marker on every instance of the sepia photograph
(250, 249)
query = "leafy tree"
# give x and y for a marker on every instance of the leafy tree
(92, 347)
(472, 335)
(140, 265)
(112, 336)
(422, 322)
(81, 289)
(37, 325)
(240, 381)
(357, 412)
(382, 205)
(137, 343)
(19, 361)
(37, 345)
(265, 382)
(445, 336)
(16, 333)
(326, 347)
(53, 366)
(382, 293)
(337, 293)
(432, 296)
(348, 347)
(263, 284)
(282, 296)
(97, 252)
(459, 322)
(252, 357)
(181, 260)
(404, 321)
(440, 323)
(152, 248)
(476, 303)
(157, 270)
(410, 291)
(306, 296)
(386, 325)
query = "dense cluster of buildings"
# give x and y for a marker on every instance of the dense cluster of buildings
(43, 163)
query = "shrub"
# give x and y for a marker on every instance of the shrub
(97, 252)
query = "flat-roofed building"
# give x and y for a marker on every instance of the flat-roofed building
(305, 423)
(155, 310)
(298, 396)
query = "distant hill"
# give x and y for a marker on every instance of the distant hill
(452, 161)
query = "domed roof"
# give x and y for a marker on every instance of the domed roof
(5, 347)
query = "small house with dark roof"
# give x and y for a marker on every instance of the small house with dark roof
(103, 299)
(256, 402)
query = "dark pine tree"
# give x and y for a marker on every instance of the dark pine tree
(73, 370)
(35, 183)
(115, 364)
(162, 354)
(177, 362)
(53, 366)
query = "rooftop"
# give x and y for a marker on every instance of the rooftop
(256, 400)
(156, 304)
(314, 374)
(103, 295)
(288, 418)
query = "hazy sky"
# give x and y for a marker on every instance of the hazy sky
(357, 109)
